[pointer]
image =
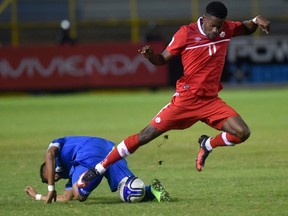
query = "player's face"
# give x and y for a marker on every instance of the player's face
(212, 26)
(57, 176)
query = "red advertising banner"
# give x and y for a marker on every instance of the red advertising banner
(78, 67)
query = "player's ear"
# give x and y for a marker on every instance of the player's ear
(57, 177)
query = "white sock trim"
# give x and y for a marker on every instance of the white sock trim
(208, 144)
(226, 141)
(100, 168)
(122, 150)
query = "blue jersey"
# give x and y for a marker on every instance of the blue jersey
(79, 153)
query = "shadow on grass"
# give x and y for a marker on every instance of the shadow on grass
(116, 201)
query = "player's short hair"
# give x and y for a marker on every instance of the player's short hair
(43, 179)
(217, 9)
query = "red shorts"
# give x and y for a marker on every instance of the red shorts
(186, 109)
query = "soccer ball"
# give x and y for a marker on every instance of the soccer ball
(132, 189)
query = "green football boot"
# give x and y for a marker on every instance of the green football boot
(159, 191)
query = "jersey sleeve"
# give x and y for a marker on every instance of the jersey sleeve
(237, 28)
(178, 41)
(56, 143)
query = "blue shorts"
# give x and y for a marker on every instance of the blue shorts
(91, 154)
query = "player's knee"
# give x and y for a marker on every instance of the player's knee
(81, 198)
(243, 133)
(78, 194)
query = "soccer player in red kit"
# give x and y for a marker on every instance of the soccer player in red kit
(202, 46)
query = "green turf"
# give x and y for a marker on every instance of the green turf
(249, 179)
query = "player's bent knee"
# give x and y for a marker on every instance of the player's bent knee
(81, 198)
(77, 195)
(244, 134)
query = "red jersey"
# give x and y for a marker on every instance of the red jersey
(203, 59)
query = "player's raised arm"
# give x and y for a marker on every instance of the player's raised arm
(156, 59)
(252, 25)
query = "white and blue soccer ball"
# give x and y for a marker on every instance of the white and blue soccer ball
(132, 189)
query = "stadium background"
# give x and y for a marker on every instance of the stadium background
(108, 34)
(247, 180)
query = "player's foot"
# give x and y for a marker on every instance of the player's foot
(203, 153)
(87, 177)
(159, 191)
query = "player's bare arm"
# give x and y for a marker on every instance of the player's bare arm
(252, 25)
(156, 59)
(50, 173)
(65, 197)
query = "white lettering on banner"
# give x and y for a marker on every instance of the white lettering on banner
(117, 64)
(76, 65)
(259, 50)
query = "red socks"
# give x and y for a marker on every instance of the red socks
(132, 143)
(125, 148)
(224, 139)
(112, 157)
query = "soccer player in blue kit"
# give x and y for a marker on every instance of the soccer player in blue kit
(70, 156)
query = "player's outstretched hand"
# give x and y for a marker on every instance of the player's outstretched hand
(31, 192)
(52, 195)
(147, 51)
(263, 24)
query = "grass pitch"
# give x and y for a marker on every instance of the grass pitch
(248, 179)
